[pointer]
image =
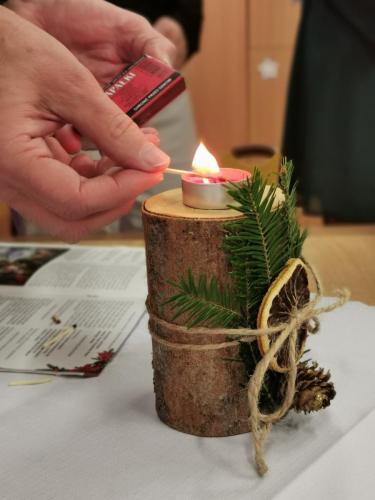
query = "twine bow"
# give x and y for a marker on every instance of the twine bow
(260, 424)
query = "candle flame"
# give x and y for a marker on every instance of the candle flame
(204, 163)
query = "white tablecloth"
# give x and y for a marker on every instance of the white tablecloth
(100, 438)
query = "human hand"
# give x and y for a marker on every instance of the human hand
(42, 87)
(102, 36)
(173, 30)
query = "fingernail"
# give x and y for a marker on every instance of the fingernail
(152, 157)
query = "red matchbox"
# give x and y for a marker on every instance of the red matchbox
(145, 87)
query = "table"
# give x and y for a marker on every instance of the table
(100, 438)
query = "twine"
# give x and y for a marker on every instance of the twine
(260, 424)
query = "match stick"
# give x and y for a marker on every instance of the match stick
(176, 171)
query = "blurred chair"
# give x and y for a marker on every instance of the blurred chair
(249, 156)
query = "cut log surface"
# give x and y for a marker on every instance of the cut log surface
(198, 392)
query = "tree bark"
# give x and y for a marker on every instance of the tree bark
(197, 392)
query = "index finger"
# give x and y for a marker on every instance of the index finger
(61, 190)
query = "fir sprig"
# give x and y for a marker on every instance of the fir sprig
(296, 237)
(205, 303)
(257, 245)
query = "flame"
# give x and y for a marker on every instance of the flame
(204, 163)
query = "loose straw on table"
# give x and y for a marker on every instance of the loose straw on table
(65, 332)
(36, 381)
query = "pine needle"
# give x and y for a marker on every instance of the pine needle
(204, 303)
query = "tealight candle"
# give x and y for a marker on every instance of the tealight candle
(210, 192)
(206, 186)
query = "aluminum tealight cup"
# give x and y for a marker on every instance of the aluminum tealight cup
(213, 196)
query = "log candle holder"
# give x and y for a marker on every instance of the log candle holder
(197, 392)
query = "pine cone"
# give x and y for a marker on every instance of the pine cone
(314, 391)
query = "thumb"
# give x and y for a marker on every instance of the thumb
(96, 116)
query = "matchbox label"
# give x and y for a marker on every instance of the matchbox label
(120, 84)
(145, 87)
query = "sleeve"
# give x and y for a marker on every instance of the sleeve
(187, 12)
(360, 14)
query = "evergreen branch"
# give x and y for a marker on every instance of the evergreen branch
(204, 303)
(262, 235)
(256, 245)
(296, 236)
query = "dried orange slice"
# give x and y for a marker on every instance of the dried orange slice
(288, 292)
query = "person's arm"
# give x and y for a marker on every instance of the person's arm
(42, 87)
